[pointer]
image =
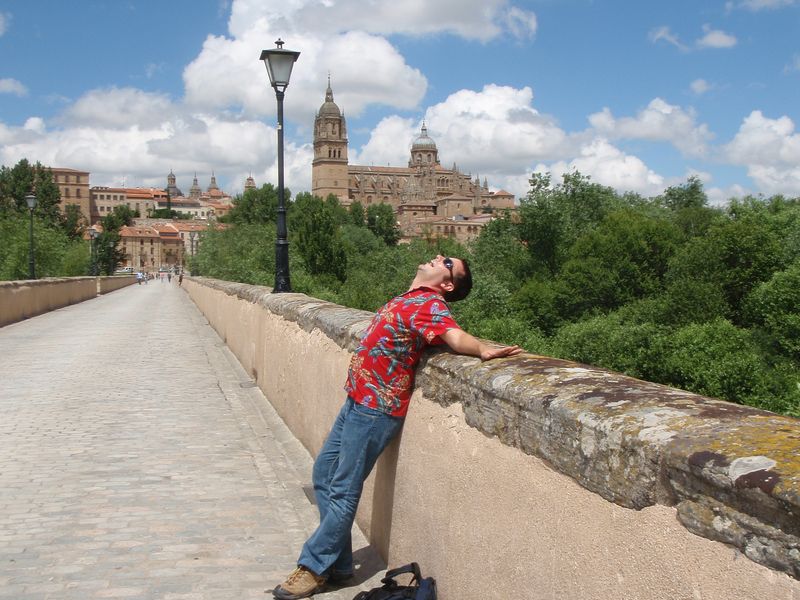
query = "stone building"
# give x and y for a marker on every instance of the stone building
(422, 192)
(141, 200)
(152, 246)
(73, 186)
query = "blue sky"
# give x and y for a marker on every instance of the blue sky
(637, 95)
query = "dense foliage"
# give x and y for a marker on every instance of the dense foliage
(666, 289)
(59, 248)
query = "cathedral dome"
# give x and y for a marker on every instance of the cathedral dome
(329, 107)
(423, 141)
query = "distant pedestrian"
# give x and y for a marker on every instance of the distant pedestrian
(180, 278)
(169, 277)
(139, 277)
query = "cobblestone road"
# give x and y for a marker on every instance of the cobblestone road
(138, 461)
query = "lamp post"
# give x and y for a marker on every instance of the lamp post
(93, 250)
(31, 200)
(279, 63)
(192, 236)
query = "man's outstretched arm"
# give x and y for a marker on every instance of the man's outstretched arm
(460, 341)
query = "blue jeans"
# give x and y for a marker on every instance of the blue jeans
(356, 440)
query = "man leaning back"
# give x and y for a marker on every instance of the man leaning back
(379, 385)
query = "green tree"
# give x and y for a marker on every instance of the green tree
(258, 205)
(774, 306)
(735, 254)
(688, 195)
(623, 258)
(611, 342)
(51, 247)
(244, 252)
(382, 222)
(552, 218)
(357, 215)
(22, 179)
(319, 242)
(499, 250)
(73, 222)
(109, 253)
(721, 360)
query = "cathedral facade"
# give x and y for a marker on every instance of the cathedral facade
(427, 198)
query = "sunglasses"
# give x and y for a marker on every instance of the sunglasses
(448, 263)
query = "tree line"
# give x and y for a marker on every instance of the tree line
(60, 249)
(667, 289)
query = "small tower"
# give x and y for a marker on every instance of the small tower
(172, 189)
(195, 191)
(249, 183)
(329, 167)
(213, 185)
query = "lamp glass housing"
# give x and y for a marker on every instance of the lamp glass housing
(31, 200)
(279, 63)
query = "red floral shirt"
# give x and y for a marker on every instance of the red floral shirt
(382, 369)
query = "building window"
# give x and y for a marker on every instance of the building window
(78, 193)
(66, 192)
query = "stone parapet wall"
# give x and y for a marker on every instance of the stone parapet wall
(532, 473)
(24, 299)
(108, 284)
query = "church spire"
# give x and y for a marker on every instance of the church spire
(329, 91)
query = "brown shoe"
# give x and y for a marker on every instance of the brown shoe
(302, 583)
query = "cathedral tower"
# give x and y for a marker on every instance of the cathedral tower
(329, 168)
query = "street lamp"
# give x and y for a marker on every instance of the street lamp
(279, 63)
(93, 250)
(31, 200)
(192, 236)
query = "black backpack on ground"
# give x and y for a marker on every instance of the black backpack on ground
(418, 589)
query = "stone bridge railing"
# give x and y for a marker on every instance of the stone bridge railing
(531, 477)
(27, 298)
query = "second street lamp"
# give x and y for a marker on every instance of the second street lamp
(31, 200)
(279, 63)
(93, 250)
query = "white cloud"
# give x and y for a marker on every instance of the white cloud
(700, 86)
(756, 5)
(494, 130)
(116, 133)
(608, 165)
(715, 38)
(521, 23)
(5, 20)
(794, 65)
(770, 149)
(472, 19)
(660, 121)
(721, 196)
(12, 86)
(227, 73)
(120, 108)
(389, 143)
(347, 38)
(35, 124)
(665, 34)
(494, 133)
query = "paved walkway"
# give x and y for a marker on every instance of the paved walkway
(137, 460)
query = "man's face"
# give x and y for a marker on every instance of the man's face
(441, 269)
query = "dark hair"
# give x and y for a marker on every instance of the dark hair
(462, 284)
